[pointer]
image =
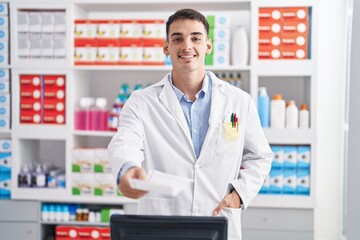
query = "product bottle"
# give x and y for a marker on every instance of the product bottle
(239, 47)
(264, 107)
(99, 115)
(82, 114)
(304, 117)
(277, 112)
(292, 115)
(24, 177)
(38, 177)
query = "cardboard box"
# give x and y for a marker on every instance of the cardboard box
(85, 29)
(303, 157)
(5, 162)
(303, 182)
(290, 157)
(66, 232)
(5, 145)
(276, 181)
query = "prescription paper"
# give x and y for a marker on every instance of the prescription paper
(161, 183)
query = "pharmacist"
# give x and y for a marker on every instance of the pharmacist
(192, 124)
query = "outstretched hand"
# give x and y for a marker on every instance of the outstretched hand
(125, 188)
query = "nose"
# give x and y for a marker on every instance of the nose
(187, 45)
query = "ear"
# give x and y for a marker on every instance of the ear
(166, 48)
(209, 47)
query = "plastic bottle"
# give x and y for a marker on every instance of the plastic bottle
(292, 115)
(24, 177)
(44, 212)
(82, 114)
(239, 47)
(277, 112)
(99, 115)
(38, 177)
(304, 117)
(264, 107)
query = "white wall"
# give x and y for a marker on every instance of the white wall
(331, 77)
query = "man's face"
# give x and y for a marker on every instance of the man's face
(187, 45)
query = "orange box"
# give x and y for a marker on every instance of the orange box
(294, 52)
(53, 118)
(30, 93)
(30, 117)
(30, 105)
(56, 94)
(269, 52)
(295, 13)
(266, 14)
(30, 80)
(54, 81)
(269, 38)
(294, 26)
(66, 232)
(89, 233)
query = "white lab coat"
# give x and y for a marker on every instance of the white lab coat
(153, 133)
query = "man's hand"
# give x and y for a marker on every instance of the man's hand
(125, 188)
(231, 200)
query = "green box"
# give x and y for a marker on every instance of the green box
(209, 59)
(211, 20)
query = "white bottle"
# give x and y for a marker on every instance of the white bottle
(277, 112)
(239, 47)
(292, 115)
(304, 117)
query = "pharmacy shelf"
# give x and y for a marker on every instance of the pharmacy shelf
(38, 131)
(290, 136)
(284, 67)
(94, 133)
(93, 199)
(283, 201)
(75, 223)
(39, 193)
(5, 131)
(155, 68)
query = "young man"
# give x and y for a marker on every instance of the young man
(192, 124)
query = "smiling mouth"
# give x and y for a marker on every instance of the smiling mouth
(187, 56)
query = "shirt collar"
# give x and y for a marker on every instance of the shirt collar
(203, 91)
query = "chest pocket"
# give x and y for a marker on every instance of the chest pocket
(230, 140)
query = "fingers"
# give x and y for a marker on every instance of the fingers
(125, 187)
(231, 200)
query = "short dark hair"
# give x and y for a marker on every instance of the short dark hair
(186, 13)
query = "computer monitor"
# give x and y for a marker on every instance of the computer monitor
(149, 227)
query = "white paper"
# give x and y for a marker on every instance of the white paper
(161, 183)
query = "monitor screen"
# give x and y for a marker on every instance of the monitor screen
(148, 227)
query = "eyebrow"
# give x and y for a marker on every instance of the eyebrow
(180, 34)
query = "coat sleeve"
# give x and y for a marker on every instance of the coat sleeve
(256, 160)
(127, 145)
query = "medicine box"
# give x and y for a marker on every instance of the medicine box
(290, 181)
(276, 181)
(5, 185)
(278, 160)
(290, 157)
(303, 157)
(303, 182)
(5, 145)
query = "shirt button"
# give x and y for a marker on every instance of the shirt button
(196, 166)
(195, 209)
(195, 130)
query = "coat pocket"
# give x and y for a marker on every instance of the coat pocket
(233, 216)
(155, 206)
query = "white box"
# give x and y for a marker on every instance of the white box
(4, 22)
(4, 8)
(131, 30)
(60, 22)
(104, 185)
(23, 21)
(4, 74)
(23, 50)
(35, 22)
(4, 46)
(47, 47)
(4, 123)
(221, 34)
(85, 29)
(83, 184)
(83, 160)
(47, 22)
(153, 55)
(4, 86)
(109, 54)
(5, 99)
(154, 30)
(59, 47)
(132, 55)
(101, 164)
(4, 59)
(4, 34)
(5, 145)
(221, 20)
(85, 54)
(290, 156)
(221, 47)
(108, 29)
(221, 59)
(35, 47)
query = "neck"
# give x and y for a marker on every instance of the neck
(188, 83)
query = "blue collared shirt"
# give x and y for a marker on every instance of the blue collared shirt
(196, 113)
(197, 116)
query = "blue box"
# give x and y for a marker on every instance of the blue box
(5, 185)
(276, 181)
(5, 162)
(303, 157)
(290, 157)
(303, 182)
(290, 181)
(278, 160)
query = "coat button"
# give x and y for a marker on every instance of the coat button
(196, 166)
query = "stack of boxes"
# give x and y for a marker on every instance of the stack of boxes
(41, 34)
(284, 33)
(4, 34)
(85, 233)
(5, 169)
(290, 171)
(42, 99)
(5, 112)
(92, 173)
(219, 33)
(119, 42)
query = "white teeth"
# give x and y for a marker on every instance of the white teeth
(186, 56)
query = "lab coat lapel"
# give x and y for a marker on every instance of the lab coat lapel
(217, 106)
(169, 99)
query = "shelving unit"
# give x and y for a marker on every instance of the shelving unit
(297, 78)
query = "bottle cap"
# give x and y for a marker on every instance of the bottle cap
(289, 103)
(101, 102)
(277, 97)
(262, 91)
(303, 106)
